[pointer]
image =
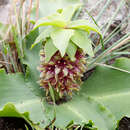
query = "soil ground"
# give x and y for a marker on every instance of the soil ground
(13, 123)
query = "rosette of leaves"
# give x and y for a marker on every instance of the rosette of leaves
(65, 44)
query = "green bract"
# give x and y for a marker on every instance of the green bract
(65, 34)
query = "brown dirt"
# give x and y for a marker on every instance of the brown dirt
(12, 123)
(87, 74)
(124, 124)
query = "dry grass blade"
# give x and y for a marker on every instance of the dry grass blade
(95, 6)
(112, 67)
(37, 10)
(121, 53)
(3, 62)
(124, 40)
(103, 10)
(29, 15)
(114, 15)
(116, 30)
(118, 45)
(123, 47)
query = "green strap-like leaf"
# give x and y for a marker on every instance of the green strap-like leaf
(80, 38)
(71, 50)
(61, 39)
(68, 12)
(50, 50)
(84, 25)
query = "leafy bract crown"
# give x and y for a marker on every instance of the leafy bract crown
(65, 34)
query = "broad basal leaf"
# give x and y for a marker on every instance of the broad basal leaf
(61, 39)
(81, 39)
(84, 25)
(31, 55)
(71, 50)
(13, 88)
(32, 60)
(122, 64)
(50, 50)
(82, 109)
(111, 87)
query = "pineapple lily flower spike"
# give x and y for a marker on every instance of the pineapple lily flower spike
(65, 44)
